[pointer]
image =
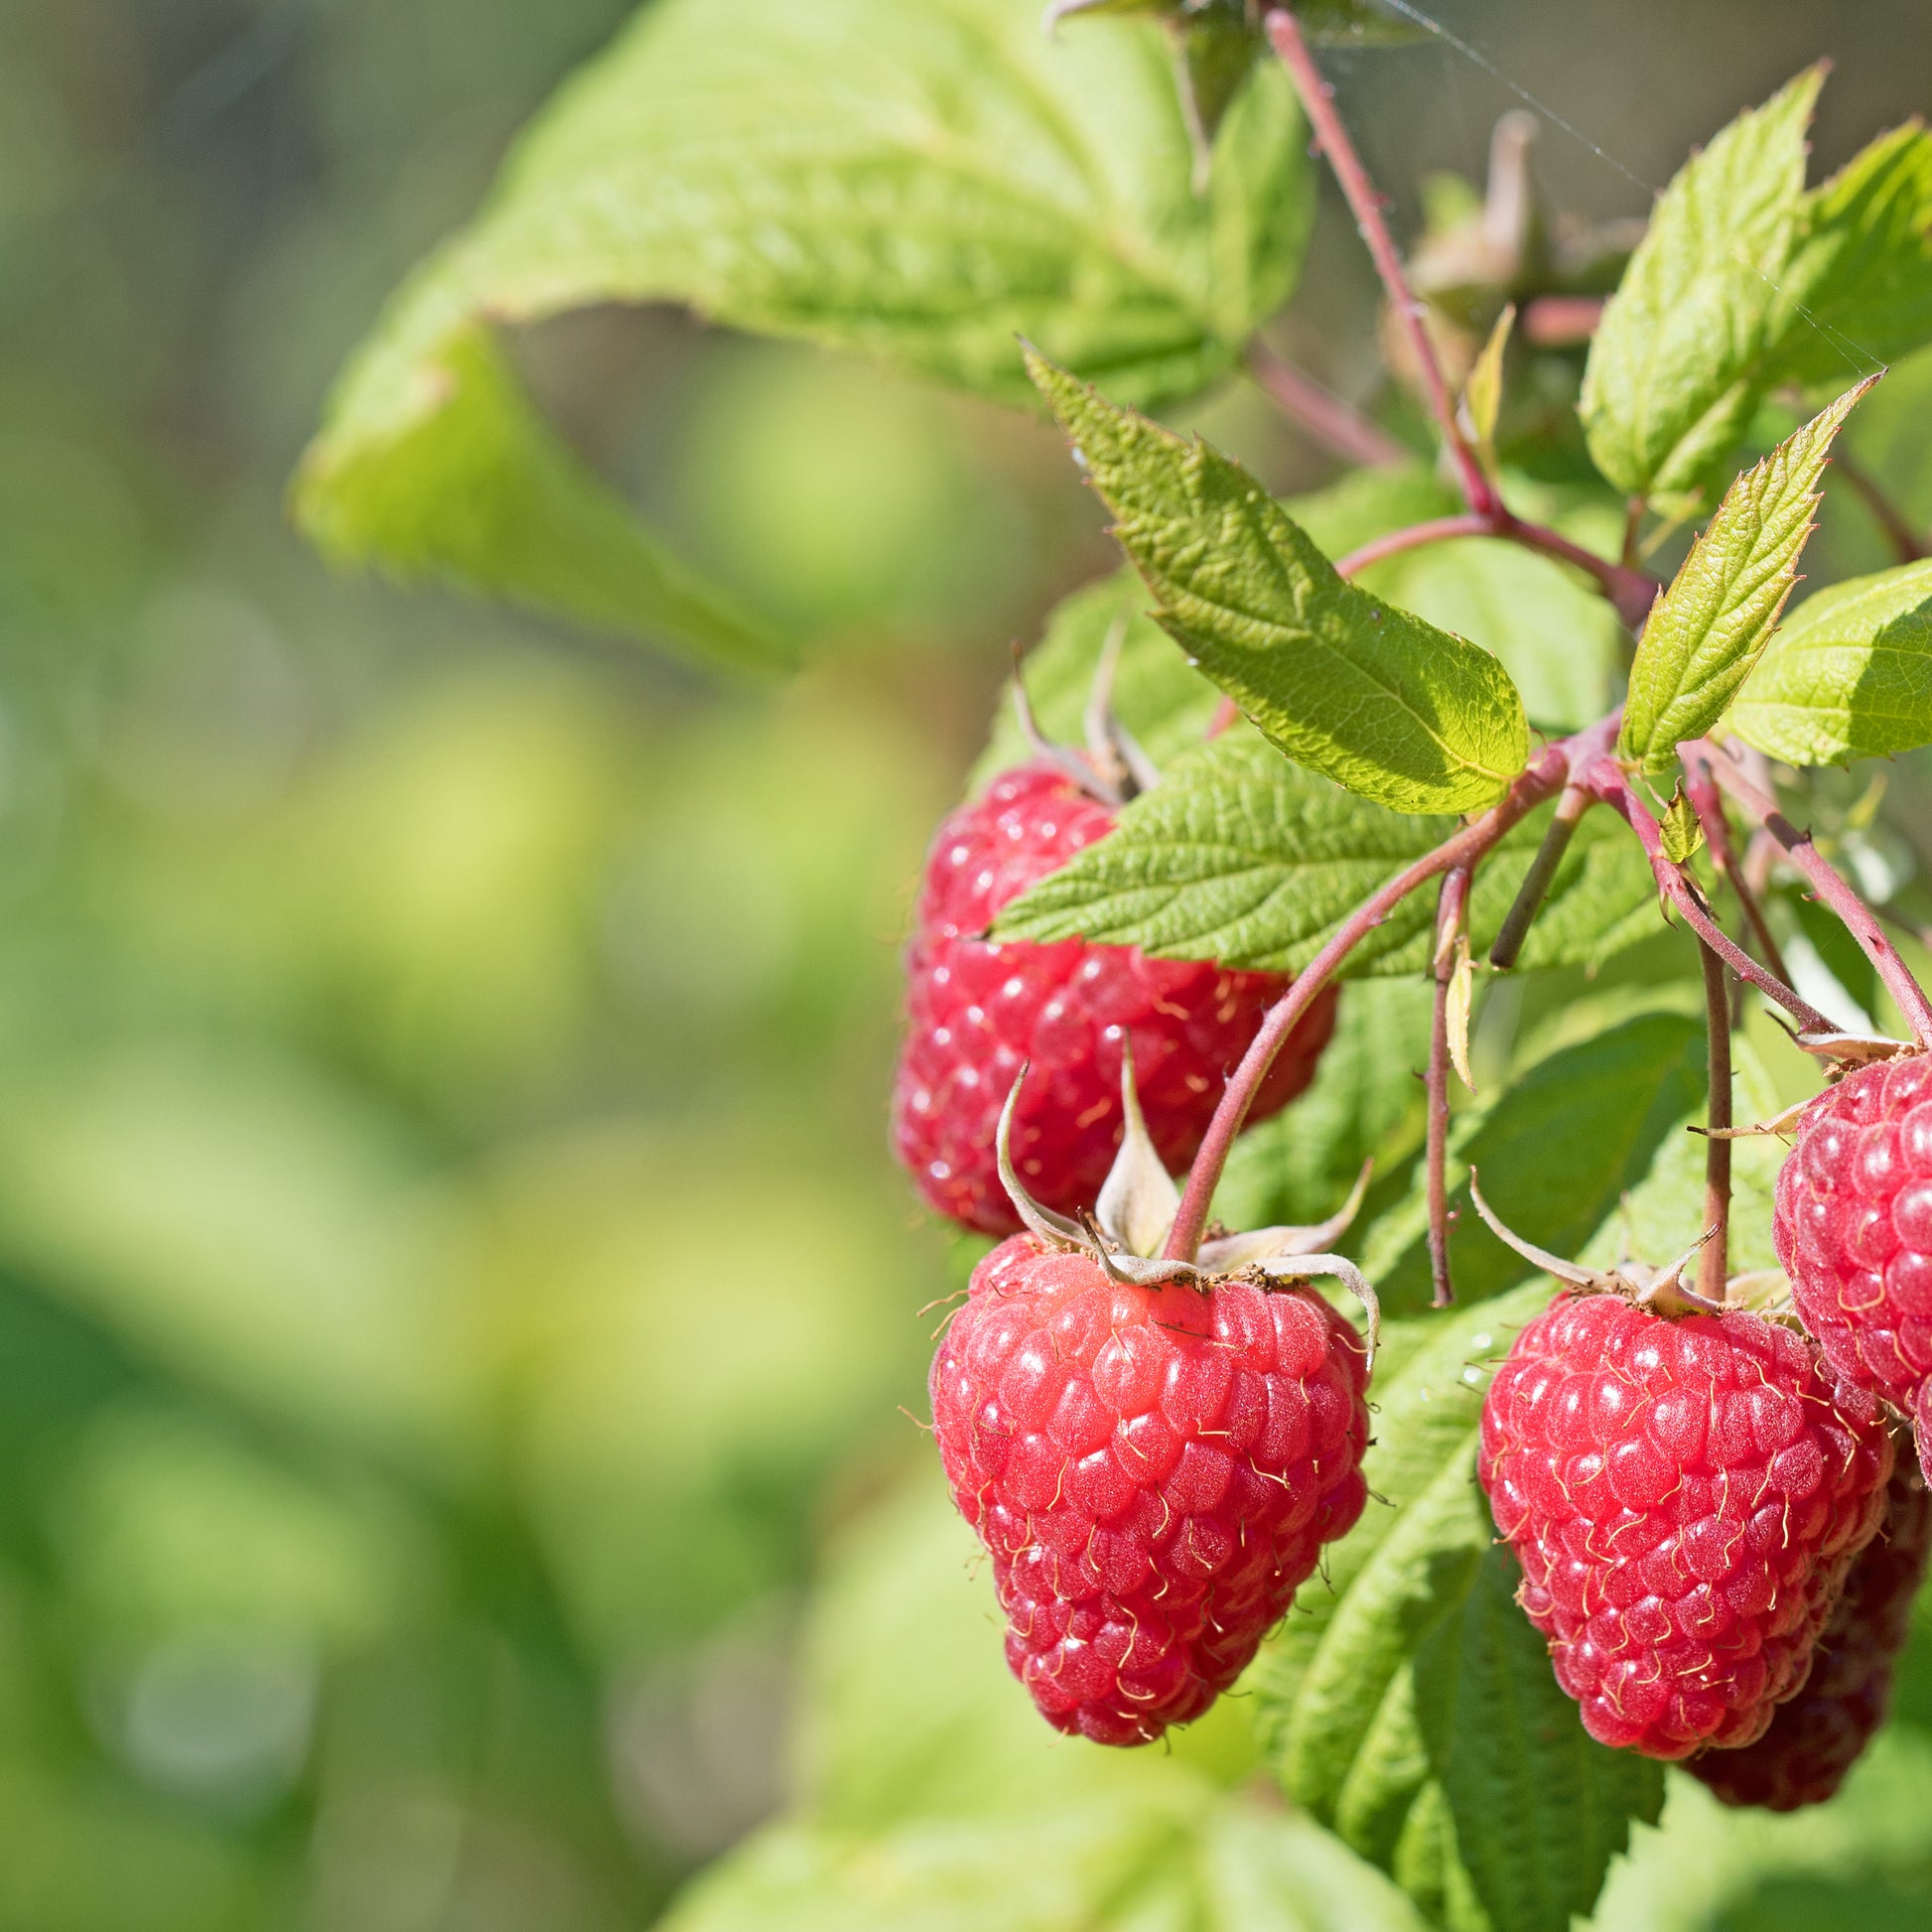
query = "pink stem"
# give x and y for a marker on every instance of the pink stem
(1317, 102)
(1829, 887)
(1903, 540)
(1701, 791)
(1340, 429)
(1606, 779)
(1713, 1259)
(1562, 321)
(1631, 590)
(1450, 911)
(1544, 778)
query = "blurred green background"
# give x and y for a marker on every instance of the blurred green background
(452, 1285)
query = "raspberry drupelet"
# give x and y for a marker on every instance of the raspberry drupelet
(977, 1010)
(1854, 1230)
(1152, 1471)
(1684, 1498)
(1816, 1739)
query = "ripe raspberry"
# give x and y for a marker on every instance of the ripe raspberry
(1685, 1498)
(1821, 1733)
(979, 1010)
(1854, 1228)
(1152, 1471)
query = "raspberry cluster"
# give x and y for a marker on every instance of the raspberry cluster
(1853, 1229)
(1685, 1498)
(1151, 1470)
(1816, 1739)
(979, 1009)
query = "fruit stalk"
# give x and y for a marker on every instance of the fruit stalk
(1544, 778)
(1828, 885)
(1366, 205)
(1452, 909)
(1631, 590)
(1713, 1259)
(1706, 801)
(1341, 430)
(1608, 782)
(1515, 929)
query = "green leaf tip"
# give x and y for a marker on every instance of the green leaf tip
(1710, 628)
(1343, 682)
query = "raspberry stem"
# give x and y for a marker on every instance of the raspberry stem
(1708, 804)
(1341, 430)
(1828, 885)
(1515, 929)
(1452, 909)
(1543, 778)
(1613, 785)
(1366, 205)
(1631, 590)
(1713, 1260)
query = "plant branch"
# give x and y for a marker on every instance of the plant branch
(1706, 801)
(1609, 781)
(1368, 208)
(1451, 910)
(1571, 808)
(1562, 321)
(1631, 590)
(1543, 778)
(1903, 540)
(1713, 1259)
(1338, 427)
(1828, 885)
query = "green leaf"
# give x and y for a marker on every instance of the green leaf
(1557, 1150)
(1675, 370)
(1849, 676)
(1240, 857)
(1540, 1809)
(1371, 1697)
(920, 183)
(1859, 288)
(1342, 681)
(1708, 629)
(437, 467)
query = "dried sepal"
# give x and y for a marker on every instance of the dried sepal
(1062, 757)
(1299, 1267)
(1848, 1051)
(1235, 1251)
(1051, 1227)
(1658, 1289)
(1138, 1201)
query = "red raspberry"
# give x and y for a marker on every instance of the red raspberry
(1685, 1498)
(978, 1010)
(1152, 1471)
(1821, 1733)
(1854, 1228)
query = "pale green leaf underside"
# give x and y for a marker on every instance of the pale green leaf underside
(1849, 676)
(1241, 857)
(921, 183)
(1342, 681)
(1708, 629)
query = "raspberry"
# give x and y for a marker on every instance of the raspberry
(1152, 1471)
(979, 1010)
(1685, 1498)
(1854, 1228)
(1816, 1739)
